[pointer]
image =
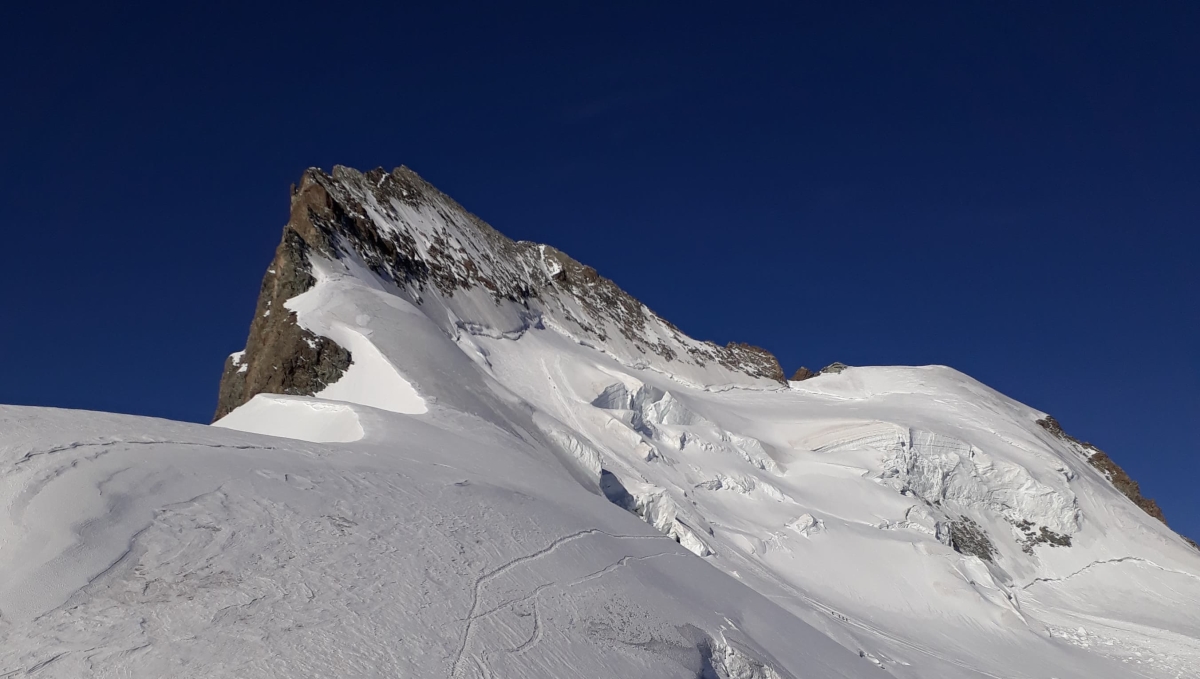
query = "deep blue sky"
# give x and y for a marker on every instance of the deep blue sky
(1007, 188)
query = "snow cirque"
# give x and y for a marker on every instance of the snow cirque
(445, 453)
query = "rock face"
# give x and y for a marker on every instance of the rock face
(1100, 460)
(417, 239)
(833, 368)
(803, 374)
(966, 537)
(281, 357)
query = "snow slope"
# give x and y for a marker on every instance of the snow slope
(525, 473)
(437, 545)
(834, 497)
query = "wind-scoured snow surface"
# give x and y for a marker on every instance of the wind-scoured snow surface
(437, 545)
(491, 491)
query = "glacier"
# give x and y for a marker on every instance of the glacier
(521, 471)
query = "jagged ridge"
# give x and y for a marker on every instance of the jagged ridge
(416, 238)
(1100, 460)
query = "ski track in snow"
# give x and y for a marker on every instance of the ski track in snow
(537, 633)
(105, 444)
(473, 615)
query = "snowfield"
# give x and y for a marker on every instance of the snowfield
(503, 487)
(435, 546)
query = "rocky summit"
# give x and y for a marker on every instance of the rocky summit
(414, 237)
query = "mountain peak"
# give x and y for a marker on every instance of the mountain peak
(403, 232)
(457, 455)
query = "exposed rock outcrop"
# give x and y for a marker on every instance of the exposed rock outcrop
(966, 537)
(1033, 535)
(1101, 461)
(833, 368)
(413, 236)
(280, 356)
(803, 374)
(751, 360)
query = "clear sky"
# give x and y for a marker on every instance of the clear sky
(1012, 189)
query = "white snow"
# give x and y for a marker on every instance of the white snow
(434, 547)
(833, 497)
(491, 491)
(307, 419)
(371, 380)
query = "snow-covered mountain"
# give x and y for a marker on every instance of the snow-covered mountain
(445, 453)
